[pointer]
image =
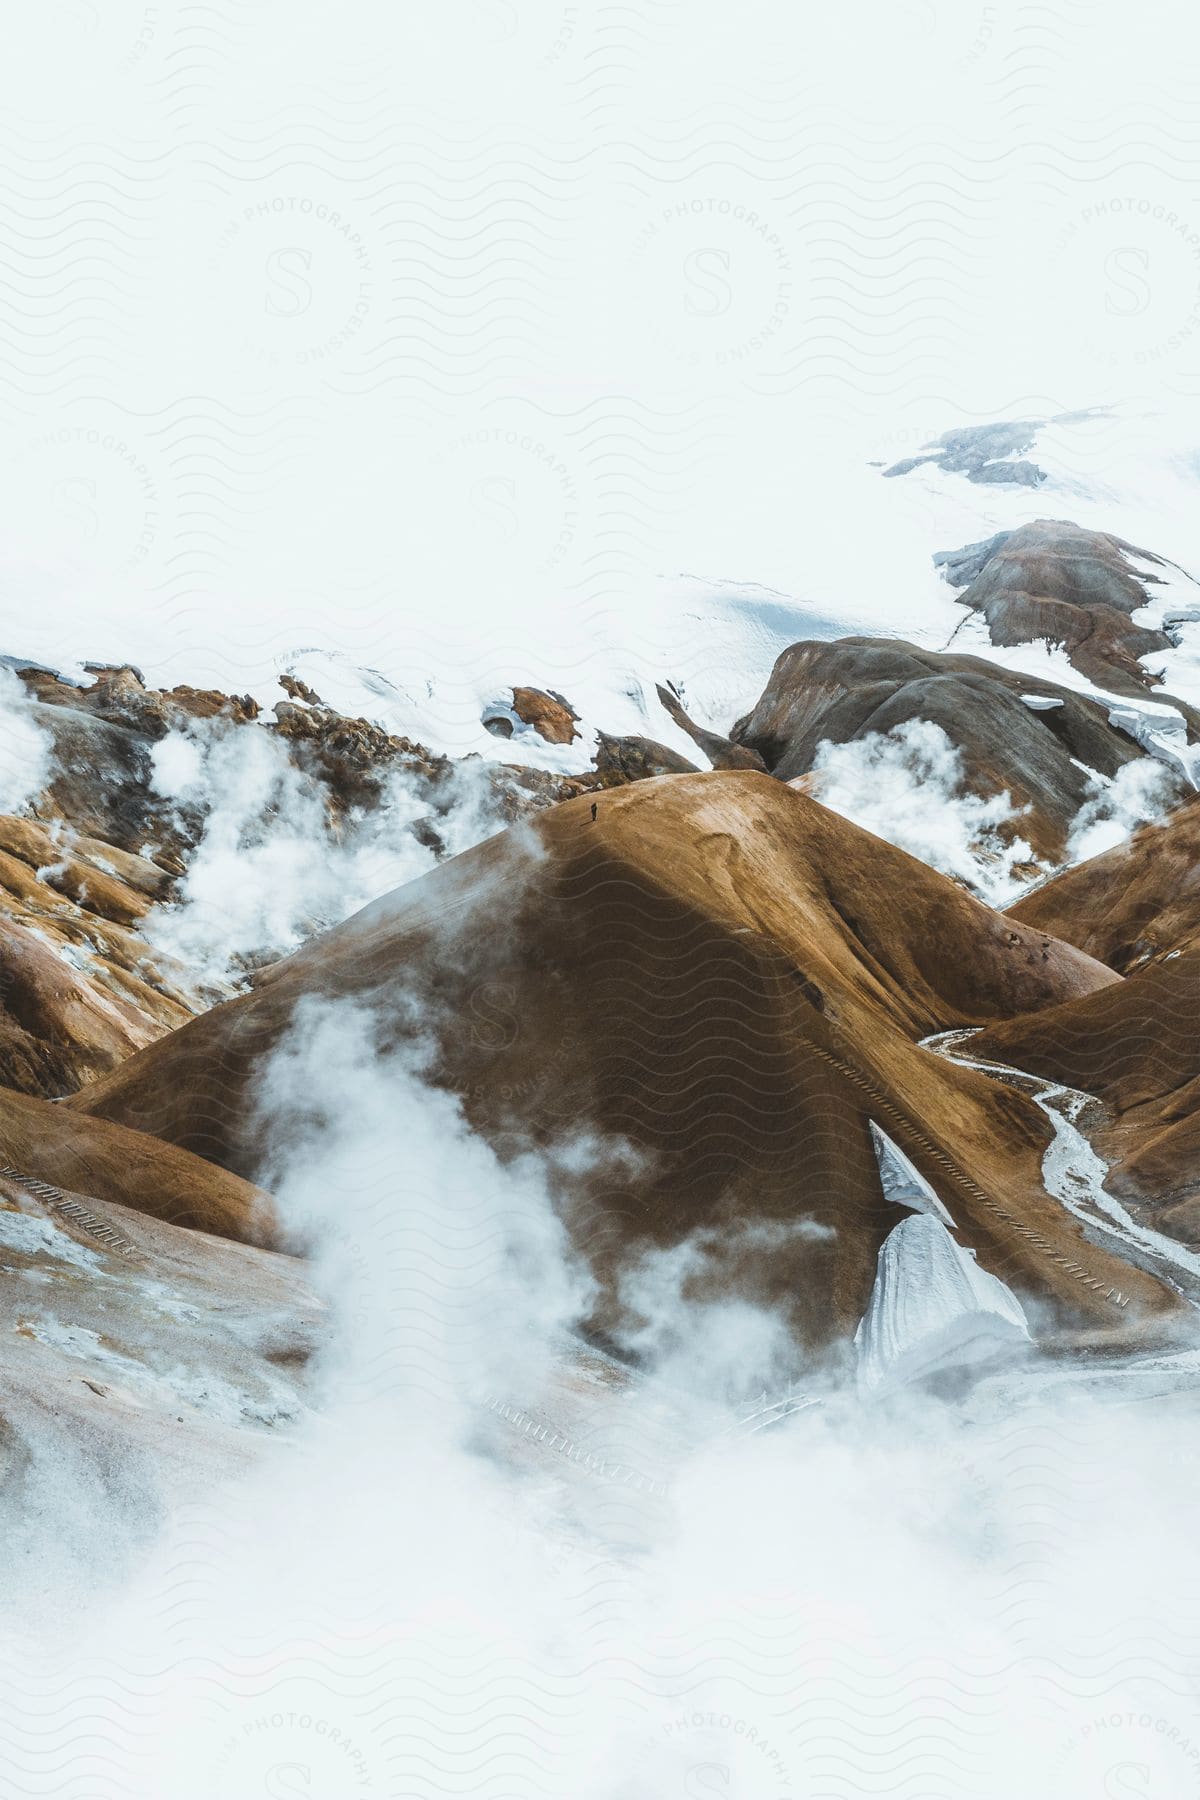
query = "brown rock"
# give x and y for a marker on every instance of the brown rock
(180, 703)
(1133, 905)
(299, 690)
(549, 714)
(1055, 580)
(60, 1025)
(623, 759)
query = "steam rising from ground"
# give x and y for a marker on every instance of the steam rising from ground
(270, 868)
(489, 1561)
(908, 785)
(701, 1338)
(417, 1593)
(1138, 794)
(24, 746)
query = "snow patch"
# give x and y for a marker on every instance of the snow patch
(902, 1184)
(932, 1307)
(29, 1235)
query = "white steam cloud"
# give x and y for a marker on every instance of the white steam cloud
(907, 785)
(25, 747)
(490, 1562)
(1140, 792)
(713, 1345)
(270, 869)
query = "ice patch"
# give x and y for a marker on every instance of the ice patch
(1162, 733)
(932, 1307)
(30, 1235)
(901, 1182)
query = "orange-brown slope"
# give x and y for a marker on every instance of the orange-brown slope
(724, 976)
(80, 990)
(1133, 905)
(1137, 1048)
(43, 1142)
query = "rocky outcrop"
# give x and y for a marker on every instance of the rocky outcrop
(988, 454)
(119, 696)
(702, 998)
(79, 989)
(1132, 906)
(721, 752)
(1059, 582)
(620, 760)
(549, 714)
(1017, 734)
(102, 775)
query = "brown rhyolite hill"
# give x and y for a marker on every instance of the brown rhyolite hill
(842, 692)
(726, 979)
(1133, 905)
(1136, 1046)
(79, 988)
(129, 1168)
(1068, 585)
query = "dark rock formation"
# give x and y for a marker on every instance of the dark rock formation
(624, 759)
(983, 453)
(1055, 581)
(721, 752)
(845, 690)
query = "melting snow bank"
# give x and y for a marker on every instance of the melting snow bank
(903, 1184)
(1074, 1174)
(1162, 732)
(932, 1307)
